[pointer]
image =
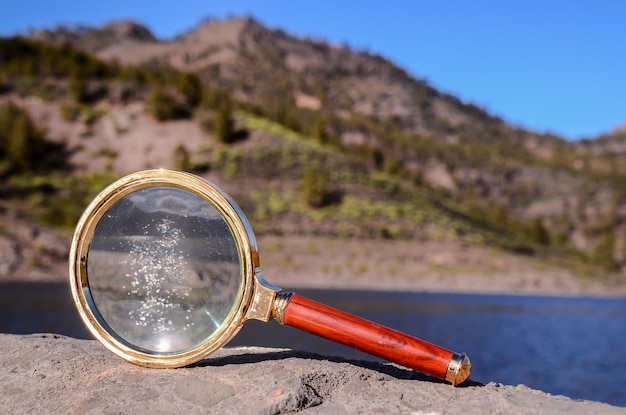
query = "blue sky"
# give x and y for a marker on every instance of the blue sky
(548, 65)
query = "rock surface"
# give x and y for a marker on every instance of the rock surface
(44, 374)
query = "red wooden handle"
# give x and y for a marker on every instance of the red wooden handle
(372, 338)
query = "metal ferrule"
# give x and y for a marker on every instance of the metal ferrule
(280, 305)
(459, 369)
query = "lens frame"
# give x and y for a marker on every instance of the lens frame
(253, 291)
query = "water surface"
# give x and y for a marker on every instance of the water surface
(567, 346)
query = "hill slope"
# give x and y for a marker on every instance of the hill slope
(396, 157)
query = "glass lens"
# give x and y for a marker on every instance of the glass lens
(163, 269)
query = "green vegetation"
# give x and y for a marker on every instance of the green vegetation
(182, 159)
(28, 58)
(538, 232)
(315, 187)
(190, 86)
(223, 126)
(70, 196)
(302, 174)
(70, 112)
(24, 148)
(163, 106)
(78, 88)
(27, 65)
(311, 175)
(27, 163)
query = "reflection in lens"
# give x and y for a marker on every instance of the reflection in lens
(163, 269)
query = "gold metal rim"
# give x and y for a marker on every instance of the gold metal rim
(459, 369)
(240, 228)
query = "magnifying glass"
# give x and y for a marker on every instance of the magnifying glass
(164, 270)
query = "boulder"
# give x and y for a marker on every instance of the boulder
(46, 373)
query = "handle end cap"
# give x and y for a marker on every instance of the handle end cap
(459, 369)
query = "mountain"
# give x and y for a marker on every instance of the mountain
(95, 39)
(392, 155)
(611, 144)
(262, 64)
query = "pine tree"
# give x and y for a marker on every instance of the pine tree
(19, 145)
(191, 87)
(182, 159)
(78, 88)
(314, 187)
(162, 105)
(223, 125)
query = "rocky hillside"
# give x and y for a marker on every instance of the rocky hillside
(310, 137)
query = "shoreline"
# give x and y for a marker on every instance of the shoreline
(298, 288)
(33, 254)
(437, 266)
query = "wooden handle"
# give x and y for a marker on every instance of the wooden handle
(372, 338)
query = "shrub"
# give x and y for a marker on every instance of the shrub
(538, 232)
(315, 188)
(182, 159)
(26, 57)
(78, 88)
(603, 254)
(190, 86)
(70, 112)
(223, 125)
(163, 106)
(22, 146)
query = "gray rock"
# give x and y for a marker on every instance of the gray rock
(9, 258)
(44, 374)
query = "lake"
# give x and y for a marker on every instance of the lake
(566, 346)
